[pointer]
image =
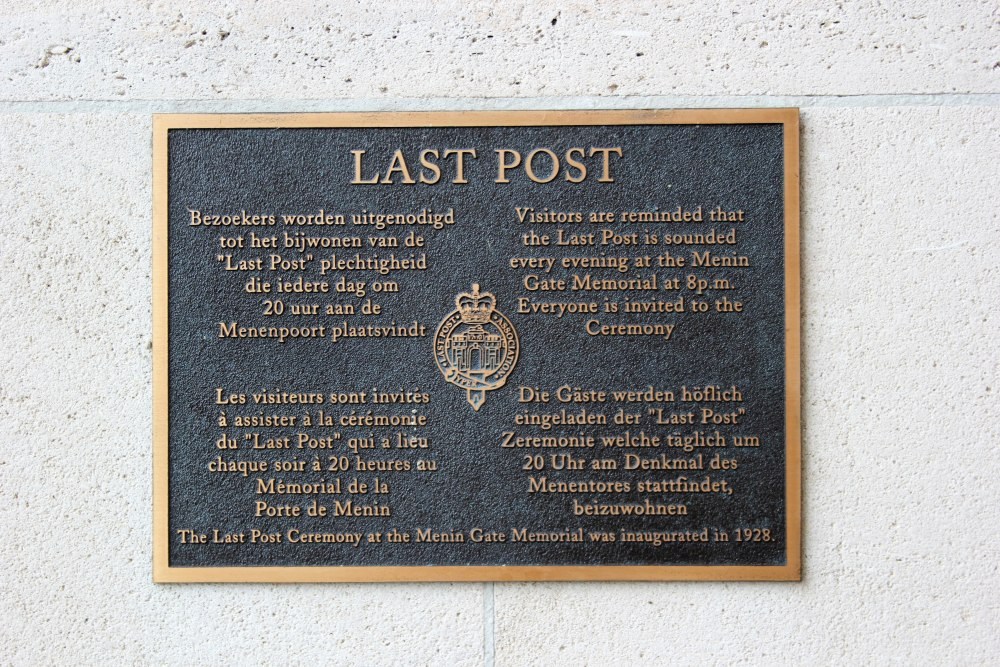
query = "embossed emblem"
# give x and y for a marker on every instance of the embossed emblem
(476, 346)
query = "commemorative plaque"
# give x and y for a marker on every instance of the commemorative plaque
(476, 346)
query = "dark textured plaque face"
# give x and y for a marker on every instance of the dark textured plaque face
(477, 346)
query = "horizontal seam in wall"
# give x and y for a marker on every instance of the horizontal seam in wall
(499, 103)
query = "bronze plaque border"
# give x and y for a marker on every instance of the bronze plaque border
(791, 571)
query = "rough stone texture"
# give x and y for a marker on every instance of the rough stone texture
(901, 233)
(900, 286)
(63, 50)
(75, 455)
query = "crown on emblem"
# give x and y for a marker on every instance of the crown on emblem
(475, 308)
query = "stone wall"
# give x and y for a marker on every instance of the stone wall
(900, 108)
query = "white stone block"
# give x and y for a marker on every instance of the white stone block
(298, 50)
(900, 240)
(75, 446)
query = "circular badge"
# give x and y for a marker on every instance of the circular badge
(476, 346)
